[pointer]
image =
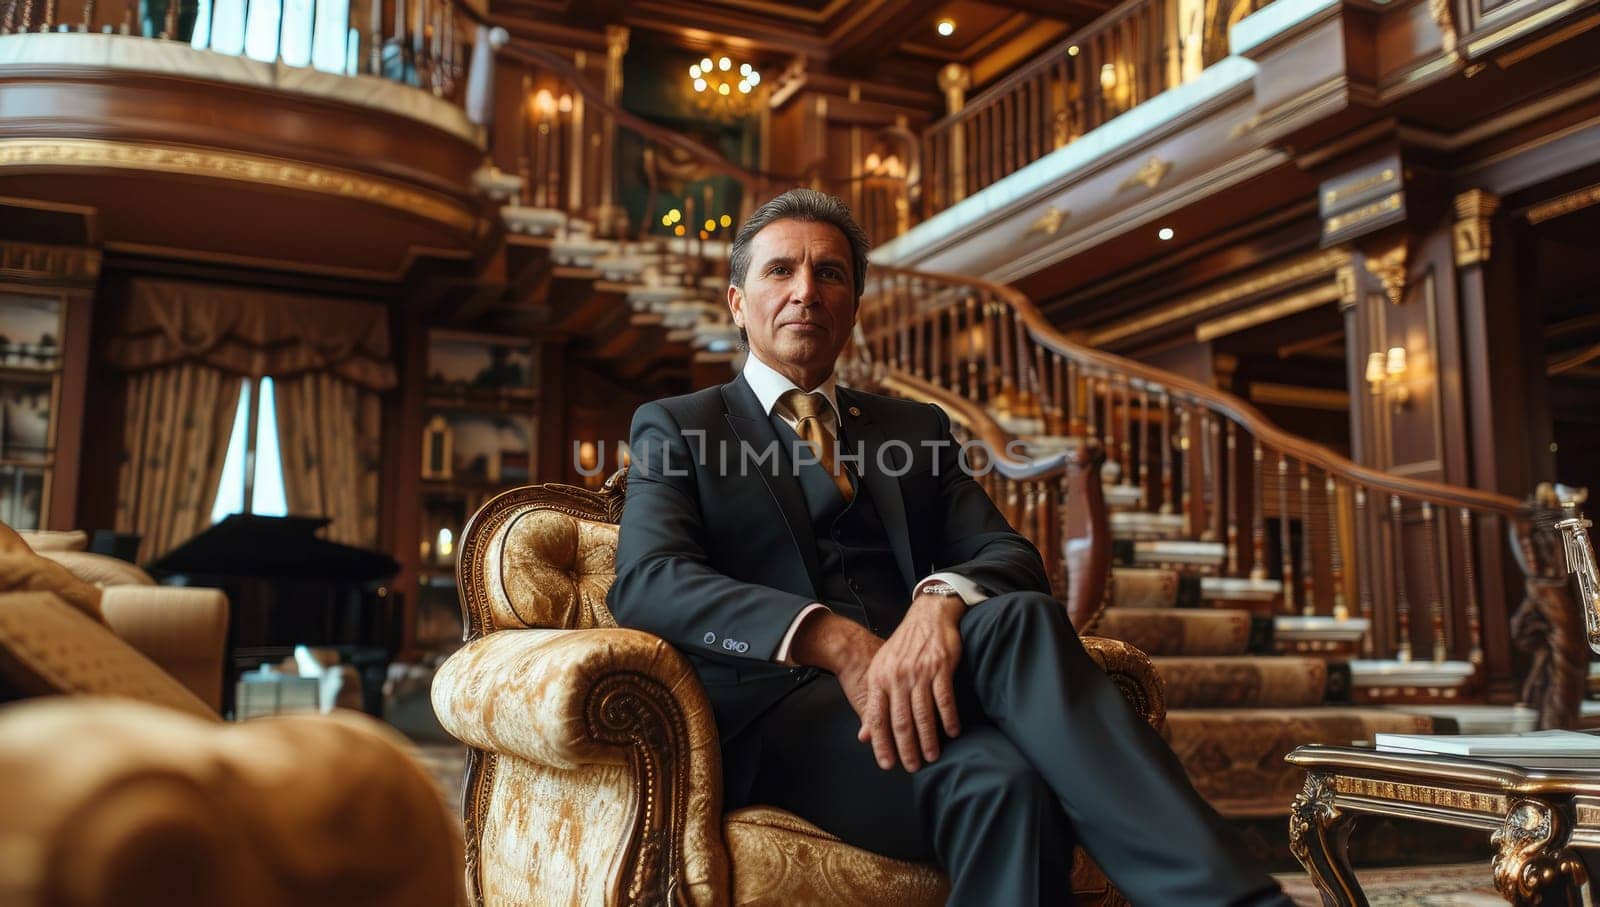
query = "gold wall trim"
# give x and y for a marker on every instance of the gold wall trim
(1587, 197)
(1475, 209)
(1421, 794)
(1300, 270)
(1270, 394)
(1371, 211)
(1265, 312)
(30, 154)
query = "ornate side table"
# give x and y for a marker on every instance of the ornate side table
(1544, 823)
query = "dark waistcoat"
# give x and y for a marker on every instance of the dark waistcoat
(860, 578)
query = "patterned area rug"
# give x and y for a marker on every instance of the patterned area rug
(1459, 885)
(1462, 885)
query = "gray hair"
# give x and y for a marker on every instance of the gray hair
(808, 205)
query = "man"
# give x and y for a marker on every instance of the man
(879, 646)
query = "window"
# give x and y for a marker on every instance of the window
(252, 472)
(297, 31)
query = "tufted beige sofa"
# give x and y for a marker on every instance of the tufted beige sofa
(183, 630)
(123, 788)
(594, 775)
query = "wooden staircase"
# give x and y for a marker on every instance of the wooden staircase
(1285, 594)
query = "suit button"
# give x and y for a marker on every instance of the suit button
(855, 586)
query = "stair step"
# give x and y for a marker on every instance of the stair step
(1143, 587)
(1119, 497)
(1235, 756)
(1185, 552)
(1239, 589)
(1317, 634)
(1247, 681)
(1421, 681)
(1138, 524)
(1178, 631)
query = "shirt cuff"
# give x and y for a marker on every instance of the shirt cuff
(782, 655)
(970, 592)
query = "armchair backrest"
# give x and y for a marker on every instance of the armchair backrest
(541, 556)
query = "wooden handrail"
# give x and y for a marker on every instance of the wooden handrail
(1230, 406)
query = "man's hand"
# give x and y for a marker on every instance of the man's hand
(910, 689)
(841, 647)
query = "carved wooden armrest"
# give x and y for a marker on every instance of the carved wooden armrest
(1132, 672)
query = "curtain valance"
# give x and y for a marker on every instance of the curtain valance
(253, 333)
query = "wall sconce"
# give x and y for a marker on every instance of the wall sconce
(1386, 376)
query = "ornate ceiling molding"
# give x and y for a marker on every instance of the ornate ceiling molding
(65, 154)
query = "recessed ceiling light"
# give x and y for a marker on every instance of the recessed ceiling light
(946, 27)
(1164, 234)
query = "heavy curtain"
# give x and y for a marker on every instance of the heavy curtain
(177, 427)
(328, 434)
(187, 347)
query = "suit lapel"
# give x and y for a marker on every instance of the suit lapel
(881, 477)
(754, 427)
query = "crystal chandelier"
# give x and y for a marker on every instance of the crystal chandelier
(724, 89)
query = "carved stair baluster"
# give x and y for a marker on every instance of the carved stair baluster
(1008, 386)
(991, 344)
(1402, 607)
(1186, 472)
(1330, 496)
(1308, 575)
(973, 387)
(1166, 452)
(1434, 563)
(1127, 431)
(1258, 516)
(1469, 576)
(1285, 548)
(1218, 531)
(1365, 568)
(1144, 446)
(1233, 499)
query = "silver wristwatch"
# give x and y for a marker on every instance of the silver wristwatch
(939, 589)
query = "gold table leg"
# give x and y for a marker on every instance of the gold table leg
(1533, 867)
(1319, 837)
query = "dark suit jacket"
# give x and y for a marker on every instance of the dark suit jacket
(720, 563)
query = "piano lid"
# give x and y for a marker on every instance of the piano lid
(247, 544)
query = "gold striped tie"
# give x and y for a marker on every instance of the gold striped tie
(808, 408)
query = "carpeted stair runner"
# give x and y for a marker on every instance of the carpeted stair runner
(1246, 681)
(1177, 631)
(1235, 756)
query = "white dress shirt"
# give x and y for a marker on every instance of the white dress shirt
(769, 387)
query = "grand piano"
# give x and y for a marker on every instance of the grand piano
(289, 587)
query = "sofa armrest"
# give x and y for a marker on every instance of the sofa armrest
(112, 802)
(579, 705)
(184, 630)
(1132, 672)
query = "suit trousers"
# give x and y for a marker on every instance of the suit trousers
(1050, 755)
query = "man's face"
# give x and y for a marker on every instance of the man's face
(798, 303)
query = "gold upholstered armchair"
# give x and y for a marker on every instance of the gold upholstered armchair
(595, 774)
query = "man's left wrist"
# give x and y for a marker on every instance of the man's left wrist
(939, 588)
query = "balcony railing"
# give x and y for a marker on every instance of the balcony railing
(1122, 59)
(427, 44)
